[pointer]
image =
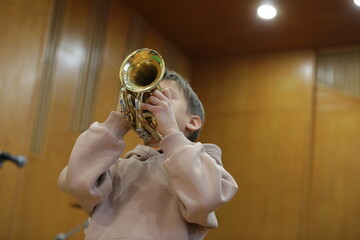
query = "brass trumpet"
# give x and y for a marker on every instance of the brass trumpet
(140, 74)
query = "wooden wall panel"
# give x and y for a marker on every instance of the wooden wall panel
(32, 207)
(48, 212)
(259, 111)
(335, 195)
(23, 28)
(340, 68)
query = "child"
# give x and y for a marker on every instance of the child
(162, 190)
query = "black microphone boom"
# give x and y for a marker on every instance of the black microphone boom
(20, 161)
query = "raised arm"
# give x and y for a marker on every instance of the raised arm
(197, 177)
(87, 175)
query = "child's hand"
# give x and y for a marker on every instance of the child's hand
(161, 106)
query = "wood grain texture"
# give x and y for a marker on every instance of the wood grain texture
(259, 111)
(335, 195)
(340, 69)
(23, 31)
(92, 58)
(211, 29)
(47, 76)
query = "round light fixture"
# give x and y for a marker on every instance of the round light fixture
(357, 2)
(268, 11)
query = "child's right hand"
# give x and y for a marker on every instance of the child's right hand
(161, 106)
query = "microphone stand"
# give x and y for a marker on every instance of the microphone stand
(20, 161)
(64, 236)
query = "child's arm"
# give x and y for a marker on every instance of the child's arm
(195, 170)
(87, 175)
(197, 178)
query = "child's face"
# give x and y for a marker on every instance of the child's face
(179, 104)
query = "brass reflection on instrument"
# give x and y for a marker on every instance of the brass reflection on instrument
(140, 74)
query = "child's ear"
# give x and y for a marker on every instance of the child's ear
(194, 123)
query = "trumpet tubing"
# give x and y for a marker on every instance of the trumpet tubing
(140, 74)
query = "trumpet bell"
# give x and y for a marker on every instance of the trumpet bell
(142, 70)
(140, 74)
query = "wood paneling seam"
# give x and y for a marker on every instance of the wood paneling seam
(135, 35)
(46, 82)
(85, 93)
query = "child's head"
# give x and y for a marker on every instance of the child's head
(194, 105)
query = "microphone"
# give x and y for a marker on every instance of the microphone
(20, 161)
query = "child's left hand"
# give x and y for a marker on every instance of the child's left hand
(161, 106)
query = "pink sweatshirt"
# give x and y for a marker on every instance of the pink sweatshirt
(147, 195)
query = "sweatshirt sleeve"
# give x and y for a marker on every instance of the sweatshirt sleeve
(87, 175)
(197, 177)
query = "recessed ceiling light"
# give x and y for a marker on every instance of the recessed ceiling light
(268, 11)
(357, 2)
